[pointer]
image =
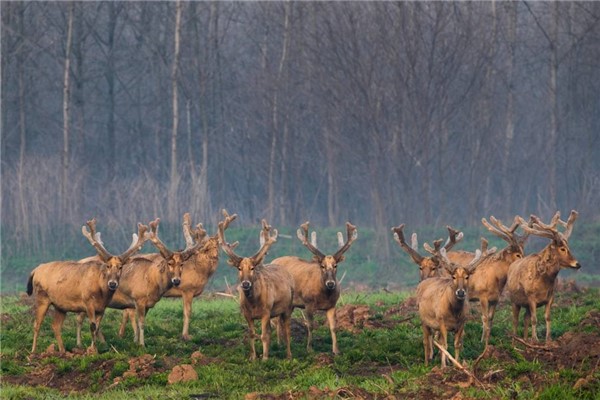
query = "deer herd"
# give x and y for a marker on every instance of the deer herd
(269, 292)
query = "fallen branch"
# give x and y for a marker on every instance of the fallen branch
(472, 377)
(545, 347)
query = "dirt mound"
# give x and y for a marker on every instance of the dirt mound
(353, 318)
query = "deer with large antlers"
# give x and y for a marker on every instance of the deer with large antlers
(316, 285)
(196, 272)
(266, 291)
(487, 282)
(443, 303)
(71, 286)
(428, 266)
(531, 280)
(147, 277)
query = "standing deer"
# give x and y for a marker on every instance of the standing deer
(487, 282)
(428, 266)
(531, 280)
(266, 291)
(71, 286)
(147, 277)
(316, 285)
(196, 272)
(443, 304)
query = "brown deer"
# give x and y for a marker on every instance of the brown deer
(428, 266)
(488, 280)
(316, 285)
(531, 280)
(266, 291)
(442, 302)
(196, 272)
(147, 277)
(71, 286)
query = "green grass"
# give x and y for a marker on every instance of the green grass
(377, 360)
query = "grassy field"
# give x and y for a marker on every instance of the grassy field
(379, 337)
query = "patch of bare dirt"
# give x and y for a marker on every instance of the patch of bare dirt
(70, 381)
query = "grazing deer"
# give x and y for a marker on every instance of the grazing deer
(71, 286)
(316, 285)
(443, 304)
(266, 291)
(147, 277)
(532, 279)
(196, 272)
(428, 266)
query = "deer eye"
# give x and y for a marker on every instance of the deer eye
(562, 249)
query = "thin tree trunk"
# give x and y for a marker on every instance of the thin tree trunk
(174, 175)
(275, 112)
(24, 220)
(509, 132)
(64, 189)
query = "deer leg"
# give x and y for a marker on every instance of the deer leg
(331, 320)
(516, 309)
(252, 336)
(492, 312)
(444, 344)
(484, 318)
(265, 335)
(547, 317)
(141, 319)
(94, 326)
(285, 322)
(80, 318)
(187, 298)
(41, 308)
(309, 325)
(526, 322)
(426, 343)
(533, 310)
(123, 325)
(57, 323)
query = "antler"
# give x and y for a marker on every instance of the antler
(234, 259)
(569, 224)
(351, 235)
(267, 238)
(153, 236)
(399, 237)
(531, 228)
(136, 243)
(94, 238)
(437, 244)
(454, 237)
(302, 234)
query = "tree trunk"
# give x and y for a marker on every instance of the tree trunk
(275, 115)
(64, 187)
(174, 175)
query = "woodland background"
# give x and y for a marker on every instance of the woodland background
(427, 113)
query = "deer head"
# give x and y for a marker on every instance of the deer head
(113, 265)
(460, 274)
(247, 265)
(174, 259)
(559, 245)
(328, 263)
(428, 266)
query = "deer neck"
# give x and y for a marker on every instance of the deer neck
(549, 264)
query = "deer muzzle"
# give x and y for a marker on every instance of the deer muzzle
(175, 281)
(330, 284)
(246, 285)
(113, 285)
(460, 294)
